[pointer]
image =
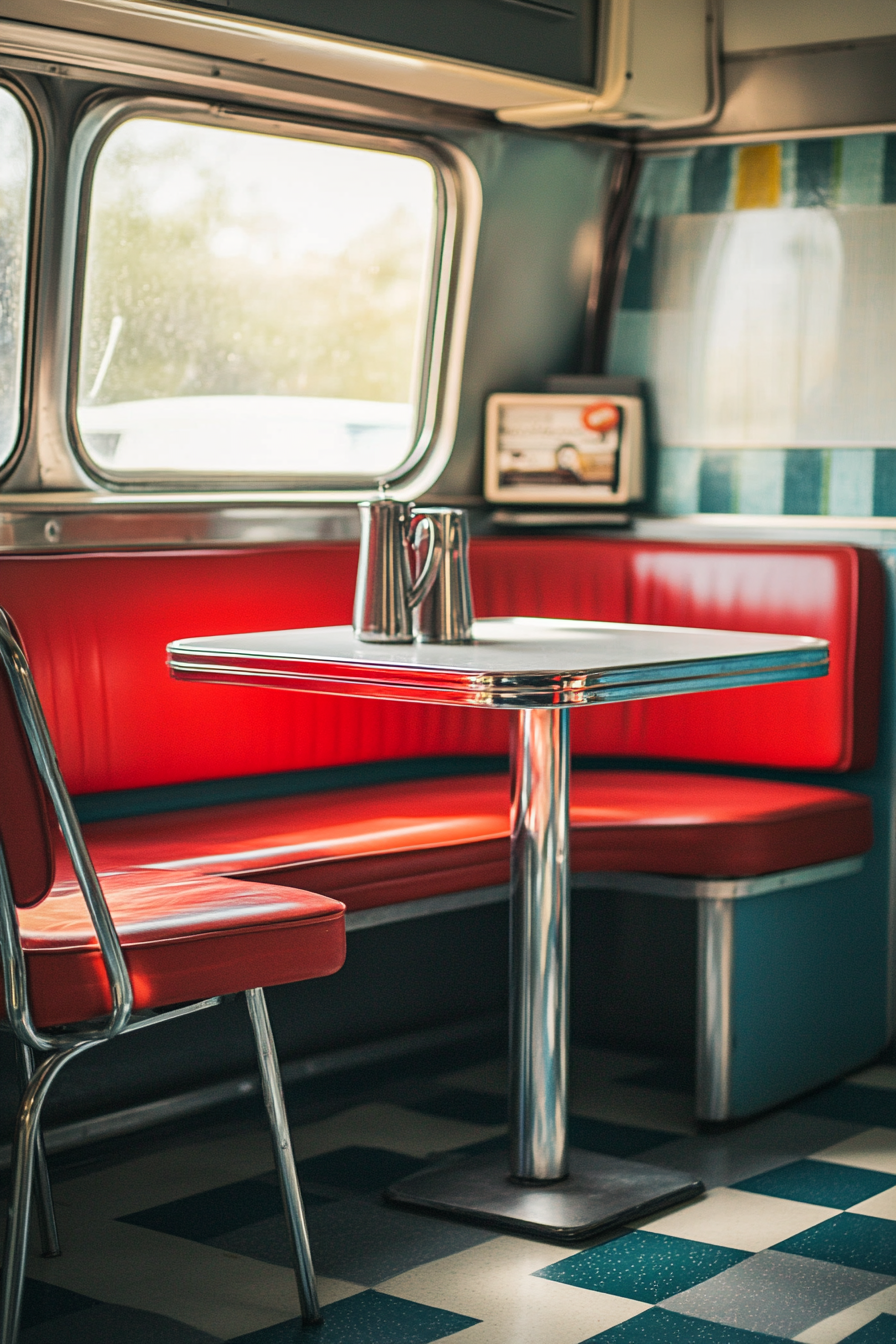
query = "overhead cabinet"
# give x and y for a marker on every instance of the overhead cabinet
(554, 39)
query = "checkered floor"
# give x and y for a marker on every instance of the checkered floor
(180, 1239)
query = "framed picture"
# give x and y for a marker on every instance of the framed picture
(564, 448)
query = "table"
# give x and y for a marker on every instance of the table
(541, 669)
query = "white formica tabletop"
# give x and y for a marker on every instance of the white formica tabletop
(517, 663)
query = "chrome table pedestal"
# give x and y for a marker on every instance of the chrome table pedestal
(540, 669)
(549, 1190)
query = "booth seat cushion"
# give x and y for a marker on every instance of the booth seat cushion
(405, 841)
(185, 935)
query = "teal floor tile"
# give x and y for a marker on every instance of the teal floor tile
(602, 1136)
(371, 1318)
(849, 1101)
(45, 1302)
(214, 1212)
(664, 1327)
(827, 1183)
(882, 1330)
(104, 1323)
(672, 1075)
(356, 1169)
(456, 1103)
(646, 1266)
(360, 1240)
(851, 1239)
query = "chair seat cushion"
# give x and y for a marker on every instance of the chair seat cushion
(394, 842)
(185, 935)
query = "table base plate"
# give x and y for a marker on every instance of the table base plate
(599, 1193)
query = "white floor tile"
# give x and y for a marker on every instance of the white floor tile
(212, 1290)
(391, 1127)
(879, 1075)
(494, 1282)
(739, 1219)
(874, 1150)
(878, 1206)
(172, 1173)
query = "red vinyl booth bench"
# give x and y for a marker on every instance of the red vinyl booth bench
(774, 864)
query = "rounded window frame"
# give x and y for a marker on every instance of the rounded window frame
(458, 209)
(33, 261)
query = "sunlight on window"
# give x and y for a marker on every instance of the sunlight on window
(253, 303)
(15, 192)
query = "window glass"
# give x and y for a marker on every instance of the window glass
(253, 303)
(760, 305)
(16, 156)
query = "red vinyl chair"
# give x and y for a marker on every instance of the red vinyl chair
(82, 965)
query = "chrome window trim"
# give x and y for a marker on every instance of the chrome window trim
(459, 200)
(30, 323)
(671, 147)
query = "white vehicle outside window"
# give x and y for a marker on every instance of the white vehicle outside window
(16, 167)
(255, 304)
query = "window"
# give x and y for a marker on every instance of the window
(16, 163)
(760, 303)
(255, 304)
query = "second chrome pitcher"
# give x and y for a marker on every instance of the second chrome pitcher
(445, 613)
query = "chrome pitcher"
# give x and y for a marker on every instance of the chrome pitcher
(386, 592)
(445, 613)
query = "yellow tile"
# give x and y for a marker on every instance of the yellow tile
(834, 1328)
(494, 1282)
(873, 1150)
(739, 1219)
(758, 181)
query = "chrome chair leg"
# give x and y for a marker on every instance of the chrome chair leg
(46, 1214)
(24, 1153)
(283, 1155)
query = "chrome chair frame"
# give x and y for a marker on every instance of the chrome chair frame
(29, 1168)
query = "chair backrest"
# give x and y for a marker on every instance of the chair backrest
(24, 820)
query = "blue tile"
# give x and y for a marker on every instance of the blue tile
(826, 1183)
(371, 1318)
(882, 1330)
(212, 1212)
(358, 1169)
(665, 1327)
(871, 1106)
(851, 1239)
(602, 1136)
(360, 1240)
(646, 1266)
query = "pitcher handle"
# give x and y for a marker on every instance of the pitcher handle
(427, 576)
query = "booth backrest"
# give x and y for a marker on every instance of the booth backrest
(96, 625)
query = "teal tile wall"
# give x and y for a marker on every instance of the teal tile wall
(838, 481)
